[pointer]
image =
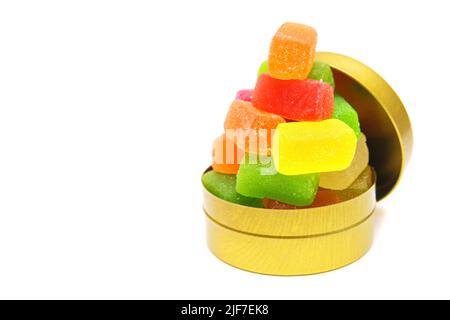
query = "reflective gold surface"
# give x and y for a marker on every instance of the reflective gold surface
(290, 256)
(383, 117)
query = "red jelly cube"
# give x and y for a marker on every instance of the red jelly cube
(299, 100)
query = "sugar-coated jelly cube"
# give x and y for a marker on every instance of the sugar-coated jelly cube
(340, 180)
(263, 68)
(322, 71)
(343, 111)
(244, 95)
(364, 181)
(254, 128)
(257, 178)
(226, 155)
(300, 100)
(223, 186)
(310, 147)
(292, 51)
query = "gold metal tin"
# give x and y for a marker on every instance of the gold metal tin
(315, 240)
(383, 117)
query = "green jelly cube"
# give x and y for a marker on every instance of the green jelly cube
(259, 179)
(322, 71)
(345, 112)
(263, 68)
(224, 186)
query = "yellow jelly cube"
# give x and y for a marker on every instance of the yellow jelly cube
(312, 147)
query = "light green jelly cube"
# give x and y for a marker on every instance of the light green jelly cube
(263, 68)
(322, 71)
(259, 179)
(343, 111)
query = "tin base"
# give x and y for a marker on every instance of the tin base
(290, 256)
(291, 242)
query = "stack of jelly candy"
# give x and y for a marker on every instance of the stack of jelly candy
(291, 142)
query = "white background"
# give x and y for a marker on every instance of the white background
(107, 114)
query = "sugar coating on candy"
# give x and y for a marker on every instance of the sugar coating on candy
(343, 111)
(224, 186)
(245, 95)
(292, 51)
(253, 127)
(310, 147)
(263, 68)
(259, 179)
(340, 180)
(226, 155)
(322, 71)
(323, 198)
(364, 181)
(300, 100)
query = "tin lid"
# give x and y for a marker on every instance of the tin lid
(382, 116)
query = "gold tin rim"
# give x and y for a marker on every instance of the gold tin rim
(384, 118)
(292, 223)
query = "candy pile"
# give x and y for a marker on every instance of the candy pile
(291, 142)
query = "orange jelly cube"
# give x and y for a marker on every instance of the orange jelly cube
(252, 127)
(226, 155)
(292, 52)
